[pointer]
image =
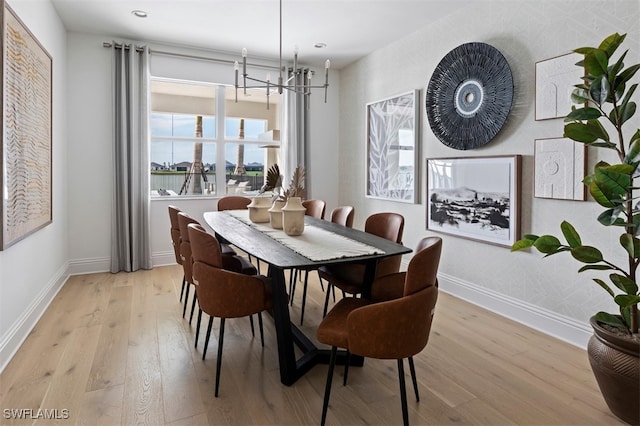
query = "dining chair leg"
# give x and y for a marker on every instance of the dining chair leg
(219, 360)
(184, 284)
(304, 295)
(261, 328)
(326, 300)
(186, 298)
(403, 393)
(321, 284)
(198, 326)
(327, 388)
(292, 286)
(206, 339)
(193, 306)
(412, 368)
(253, 331)
(346, 368)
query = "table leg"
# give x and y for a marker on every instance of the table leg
(282, 321)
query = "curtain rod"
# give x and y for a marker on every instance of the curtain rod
(184, 55)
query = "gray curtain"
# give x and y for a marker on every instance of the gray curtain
(130, 227)
(296, 135)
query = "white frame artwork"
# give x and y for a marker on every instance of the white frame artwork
(475, 197)
(393, 148)
(560, 167)
(555, 80)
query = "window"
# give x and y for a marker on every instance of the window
(195, 154)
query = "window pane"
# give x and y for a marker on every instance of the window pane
(252, 128)
(173, 168)
(167, 124)
(248, 177)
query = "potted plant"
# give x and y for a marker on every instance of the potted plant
(604, 100)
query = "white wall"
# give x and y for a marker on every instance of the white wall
(33, 270)
(546, 294)
(90, 180)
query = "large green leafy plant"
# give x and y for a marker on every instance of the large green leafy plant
(605, 103)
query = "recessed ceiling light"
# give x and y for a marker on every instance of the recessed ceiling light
(139, 13)
(320, 45)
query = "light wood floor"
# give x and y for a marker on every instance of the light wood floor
(114, 349)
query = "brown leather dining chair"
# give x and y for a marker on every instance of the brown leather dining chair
(342, 215)
(391, 329)
(349, 277)
(233, 202)
(222, 293)
(175, 242)
(315, 208)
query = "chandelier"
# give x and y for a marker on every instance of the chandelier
(281, 84)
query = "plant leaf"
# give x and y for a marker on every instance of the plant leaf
(605, 286)
(587, 254)
(633, 155)
(595, 268)
(611, 43)
(599, 90)
(583, 114)
(631, 244)
(570, 234)
(547, 244)
(627, 74)
(609, 216)
(612, 320)
(596, 62)
(625, 300)
(624, 283)
(522, 244)
(579, 132)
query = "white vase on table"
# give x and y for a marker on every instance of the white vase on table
(259, 209)
(293, 216)
(275, 214)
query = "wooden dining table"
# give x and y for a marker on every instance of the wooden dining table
(279, 257)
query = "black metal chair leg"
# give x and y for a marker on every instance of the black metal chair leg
(206, 339)
(186, 299)
(253, 331)
(412, 368)
(327, 388)
(304, 295)
(261, 328)
(193, 306)
(292, 286)
(326, 300)
(198, 326)
(219, 360)
(403, 393)
(184, 284)
(346, 368)
(320, 279)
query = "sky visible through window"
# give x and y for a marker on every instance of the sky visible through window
(173, 152)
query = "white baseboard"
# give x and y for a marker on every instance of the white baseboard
(15, 336)
(103, 264)
(551, 323)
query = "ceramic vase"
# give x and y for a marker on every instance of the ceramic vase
(293, 217)
(259, 209)
(275, 214)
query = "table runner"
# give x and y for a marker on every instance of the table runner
(315, 243)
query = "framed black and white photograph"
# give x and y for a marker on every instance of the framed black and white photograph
(392, 148)
(475, 197)
(555, 80)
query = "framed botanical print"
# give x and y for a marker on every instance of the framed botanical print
(392, 148)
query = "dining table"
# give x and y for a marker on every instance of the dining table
(321, 243)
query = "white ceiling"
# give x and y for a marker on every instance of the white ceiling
(350, 28)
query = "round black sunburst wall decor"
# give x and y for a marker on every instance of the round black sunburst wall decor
(469, 96)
